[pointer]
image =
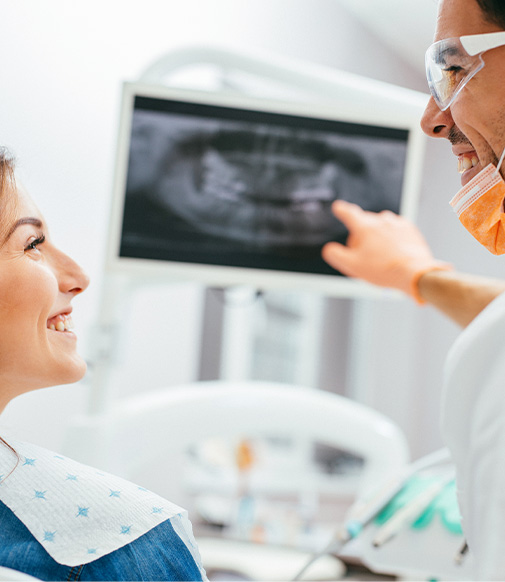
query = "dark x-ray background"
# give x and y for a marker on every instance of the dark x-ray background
(242, 193)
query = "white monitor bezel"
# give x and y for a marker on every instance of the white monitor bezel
(261, 279)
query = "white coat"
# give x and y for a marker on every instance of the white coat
(473, 426)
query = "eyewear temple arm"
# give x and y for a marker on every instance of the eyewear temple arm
(478, 43)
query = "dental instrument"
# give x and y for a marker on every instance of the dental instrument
(364, 512)
(410, 512)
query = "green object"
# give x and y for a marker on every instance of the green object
(444, 505)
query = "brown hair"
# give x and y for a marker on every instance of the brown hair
(8, 195)
(6, 188)
(6, 171)
(494, 11)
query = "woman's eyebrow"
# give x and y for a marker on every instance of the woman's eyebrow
(26, 220)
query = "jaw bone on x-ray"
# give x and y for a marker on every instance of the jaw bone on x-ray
(237, 192)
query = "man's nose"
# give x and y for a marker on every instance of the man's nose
(436, 123)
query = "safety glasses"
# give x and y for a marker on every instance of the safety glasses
(452, 62)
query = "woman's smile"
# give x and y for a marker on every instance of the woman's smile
(38, 284)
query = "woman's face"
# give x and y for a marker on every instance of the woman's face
(37, 285)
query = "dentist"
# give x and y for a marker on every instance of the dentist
(466, 74)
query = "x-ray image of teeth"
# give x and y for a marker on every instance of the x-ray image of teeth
(247, 192)
(266, 188)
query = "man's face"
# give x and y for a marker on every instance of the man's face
(475, 122)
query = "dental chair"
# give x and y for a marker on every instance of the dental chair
(158, 428)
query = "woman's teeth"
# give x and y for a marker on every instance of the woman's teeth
(465, 163)
(61, 323)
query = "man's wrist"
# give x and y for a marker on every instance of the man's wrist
(414, 283)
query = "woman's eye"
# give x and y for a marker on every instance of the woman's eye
(32, 246)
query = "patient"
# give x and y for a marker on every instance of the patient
(60, 520)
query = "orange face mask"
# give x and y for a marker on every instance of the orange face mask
(479, 206)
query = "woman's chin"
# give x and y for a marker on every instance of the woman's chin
(68, 365)
(77, 371)
(70, 370)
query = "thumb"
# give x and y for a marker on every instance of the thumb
(338, 256)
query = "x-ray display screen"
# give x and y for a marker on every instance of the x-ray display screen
(219, 185)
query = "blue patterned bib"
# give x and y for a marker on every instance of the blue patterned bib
(76, 512)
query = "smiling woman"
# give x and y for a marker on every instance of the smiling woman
(42, 350)
(61, 520)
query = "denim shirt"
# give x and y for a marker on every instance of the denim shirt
(159, 554)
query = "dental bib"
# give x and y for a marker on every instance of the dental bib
(77, 513)
(479, 207)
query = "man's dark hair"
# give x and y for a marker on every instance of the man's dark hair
(494, 11)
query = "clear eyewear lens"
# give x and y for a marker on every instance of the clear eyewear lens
(448, 69)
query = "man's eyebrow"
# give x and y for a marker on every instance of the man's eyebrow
(26, 220)
(446, 52)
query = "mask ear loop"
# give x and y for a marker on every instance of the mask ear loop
(498, 172)
(500, 162)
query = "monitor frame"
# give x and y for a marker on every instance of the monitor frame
(260, 279)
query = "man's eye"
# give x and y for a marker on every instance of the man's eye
(454, 71)
(453, 68)
(453, 76)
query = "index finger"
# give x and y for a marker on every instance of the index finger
(349, 213)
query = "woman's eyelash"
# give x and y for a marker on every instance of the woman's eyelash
(35, 243)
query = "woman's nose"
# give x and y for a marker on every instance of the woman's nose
(71, 277)
(436, 123)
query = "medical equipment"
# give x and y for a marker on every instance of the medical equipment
(136, 432)
(407, 514)
(452, 62)
(234, 74)
(460, 556)
(369, 537)
(230, 189)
